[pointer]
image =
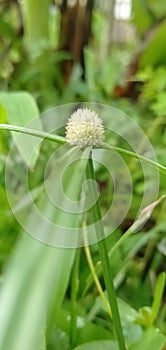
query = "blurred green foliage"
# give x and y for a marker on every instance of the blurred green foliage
(36, 280)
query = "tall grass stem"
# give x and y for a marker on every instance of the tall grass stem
(104, 255)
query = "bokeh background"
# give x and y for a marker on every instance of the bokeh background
(111, 52)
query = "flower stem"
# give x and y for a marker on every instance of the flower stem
(37, 133)
(92, 269)
(149, 161)
(74, 291)
(61, 140)
(104, 256)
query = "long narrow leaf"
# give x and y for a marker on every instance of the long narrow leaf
(37, 275)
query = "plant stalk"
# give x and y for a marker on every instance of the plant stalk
(74, 291)
(61, 140)
(151, 162)
(36, 133)
(94, 274)
(104, 256)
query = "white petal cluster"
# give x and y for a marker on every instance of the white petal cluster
(84, 128)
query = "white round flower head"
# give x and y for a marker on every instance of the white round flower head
(84, 128)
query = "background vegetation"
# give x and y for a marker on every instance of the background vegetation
(53, 53)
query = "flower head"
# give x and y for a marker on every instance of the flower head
(84, 128)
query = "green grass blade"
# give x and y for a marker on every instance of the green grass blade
(158, 294)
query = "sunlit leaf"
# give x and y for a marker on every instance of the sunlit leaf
(21, 109)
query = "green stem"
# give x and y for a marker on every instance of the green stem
(61, 140)
(154, 164)
(156, 122)
(93, 272)
(98, 266)
(104, 256)
(37, 133)
(74, 291)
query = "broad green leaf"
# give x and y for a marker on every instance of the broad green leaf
(155, 53)
(60, 194)
(21, 109)
(98, 345)
(37, 275)
(151, 339)
(20, 106)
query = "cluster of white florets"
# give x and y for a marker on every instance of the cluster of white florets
(84, 128)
